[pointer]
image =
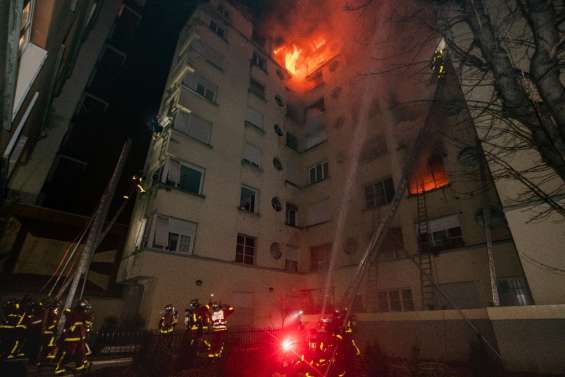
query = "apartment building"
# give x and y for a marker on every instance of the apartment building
(248, 185)
(41, 47)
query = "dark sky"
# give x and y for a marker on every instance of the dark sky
(134, 98)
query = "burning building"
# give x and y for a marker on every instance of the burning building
(280, 155)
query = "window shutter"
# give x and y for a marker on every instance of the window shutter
(182, 227)
(173, 171)
(200, 128)
(140, 233)
(161, 231)
(252, 154)
(442, 223)
(255, 117)
(182, 121)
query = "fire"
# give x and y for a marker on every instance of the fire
(302, 57)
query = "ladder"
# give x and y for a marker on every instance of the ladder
(424, 246)
(378, 236)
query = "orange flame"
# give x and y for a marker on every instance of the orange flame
(301, 58)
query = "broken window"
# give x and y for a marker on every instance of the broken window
(429, 176)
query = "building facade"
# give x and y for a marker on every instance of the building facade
(251, 195)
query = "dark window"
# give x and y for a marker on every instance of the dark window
(277, 163)
(173, 241)
(379, 194)
(393, 245)
(217, 29)
(382, 298)
(514, 291)
(247, 199)
(318, 172)
(291, 265)
(318, 105)
(373, 149)
(276, 203)
(447, 239)
(291, 141)
(407, 300)
(257, 88)
(291, 212)
(245, 249)
(278, 130)
(259, 61)
(223, 12)
(190, 179)
(279, 100)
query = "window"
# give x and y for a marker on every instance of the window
(514, 291)
(194, 126)
(319, 257)
(254, 118)
(430, 175)
(314, 128)
(174, 235)
(256, 88)
(202, 86)
(291, 141)
(140, 233)
(373, 149)
(26, 21)
(217, 29)
(199, 49)
(318, 172)
(259, 61)
(393, 245)
(223, 12)
(252, 155)
(379, 194)
(291, 213)
(316, 79)
(245, 249)
(396, 300)
(446, 233)
(319, 105)
(291, 261)
(276, 204)
(185, 177)
(248, 199)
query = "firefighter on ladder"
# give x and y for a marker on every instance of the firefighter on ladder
(168, 321)
(219, 326)
(72, 344)
(14, 328)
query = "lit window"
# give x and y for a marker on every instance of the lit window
(379, 194)
(245, 249)
(318, 172)
(430, 176)
(248, 199)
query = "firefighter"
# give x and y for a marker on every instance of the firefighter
(218, 327)
(72, 344)
(35, 313)
(168, 321)
(52, 313)
(14, 328)
(347, 352)
(439, 62)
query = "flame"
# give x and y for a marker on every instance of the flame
(302, 57)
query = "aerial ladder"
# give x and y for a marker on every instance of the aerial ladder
(369, 258)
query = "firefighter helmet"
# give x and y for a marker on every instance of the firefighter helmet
(84, 305)
(169, 308)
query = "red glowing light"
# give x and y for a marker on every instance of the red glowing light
(287, 345)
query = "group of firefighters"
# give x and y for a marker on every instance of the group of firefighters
(327, 349)
(206, 326)
(29, 330)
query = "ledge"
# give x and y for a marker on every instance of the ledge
(165, 187)
(193, 138)
(257, 168)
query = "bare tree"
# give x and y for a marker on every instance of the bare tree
(508, 56)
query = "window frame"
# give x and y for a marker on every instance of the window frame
(371, 203)
(259, 61)
(320, 170)
(386, 306)
(291, 208)
(198, 169)
(215, 27)
(167, 248)
(255, 83)
(244, 248)
(255, 209)
(25, 28)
